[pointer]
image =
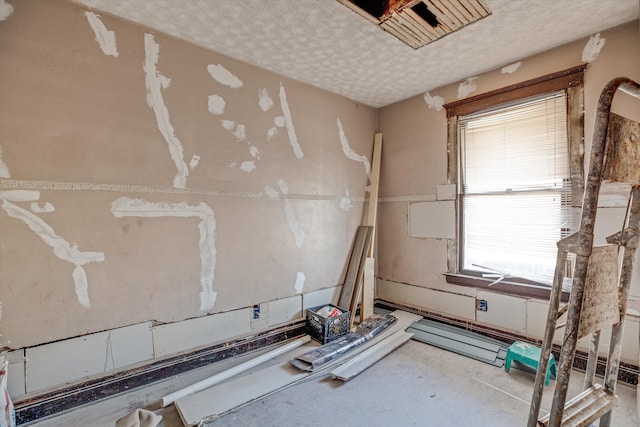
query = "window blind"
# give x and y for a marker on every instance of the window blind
(516, 189)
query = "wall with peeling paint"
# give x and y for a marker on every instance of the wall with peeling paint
(206, 184)
(414, 168)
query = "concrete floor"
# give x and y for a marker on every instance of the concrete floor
(415, 385)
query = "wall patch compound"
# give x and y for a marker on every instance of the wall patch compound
(47, 207)
(106, 39)
(237, 129)
(4, 170)
(155, 83)
(61, 248)
(125, 206)
(299, 282)
(346, 149)
(224, 76)
(248, 166)
(5, 10)
(195, 160)
(434, 102)
(293, 139)
(467, 87)
(510, 69)
(264, 100)
(216, 104)
(592, 49)
(345, 202)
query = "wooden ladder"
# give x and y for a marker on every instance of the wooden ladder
(599, 292)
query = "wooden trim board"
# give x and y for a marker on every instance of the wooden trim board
(214, 402)
(222, 376)
(367, 358)
(356, 265)
(357, 286)
(368, 287)
(372, 210)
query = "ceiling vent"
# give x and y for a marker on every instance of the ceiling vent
(420, 22)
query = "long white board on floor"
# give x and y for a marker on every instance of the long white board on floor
(211, 381)
(215, 401)
(218, 400)
(366, 359)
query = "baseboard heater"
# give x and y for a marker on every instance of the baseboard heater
(36, 407)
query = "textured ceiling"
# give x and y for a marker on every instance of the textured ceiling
(323, 43)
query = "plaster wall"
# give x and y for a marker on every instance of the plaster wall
(131, 194)
(414, 166)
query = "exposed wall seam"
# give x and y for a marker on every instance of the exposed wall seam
(14, 184)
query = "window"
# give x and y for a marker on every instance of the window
(515, 193)
(518, 167)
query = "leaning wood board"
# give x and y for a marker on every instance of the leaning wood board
(368, 286)
(356, 265)
(357, 285)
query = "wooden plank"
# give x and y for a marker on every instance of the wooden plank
(575, 130)
(213, 402)
(363, 237)
(357, 280)
(368, 288)
(359, 11)
(409, 26)
(622, 162)
(476, 9)
(445, 22)
(457, 21)
(393, 27)
(464, 11)
(372, 211)
(366, 359)
(600, 300)
(427, 30)
(222, 376)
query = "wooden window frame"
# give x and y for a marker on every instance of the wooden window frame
(570, 80)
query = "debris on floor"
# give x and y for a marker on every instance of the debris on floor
(139, 418)
(364, 332)
(211, 403)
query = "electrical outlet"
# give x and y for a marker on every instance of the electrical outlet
(482, 305)
(256, 312)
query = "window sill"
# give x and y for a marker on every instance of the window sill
(505, 287)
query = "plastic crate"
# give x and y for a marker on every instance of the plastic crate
(326, 329)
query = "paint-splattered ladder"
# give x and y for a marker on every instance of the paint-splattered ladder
(599, 292)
